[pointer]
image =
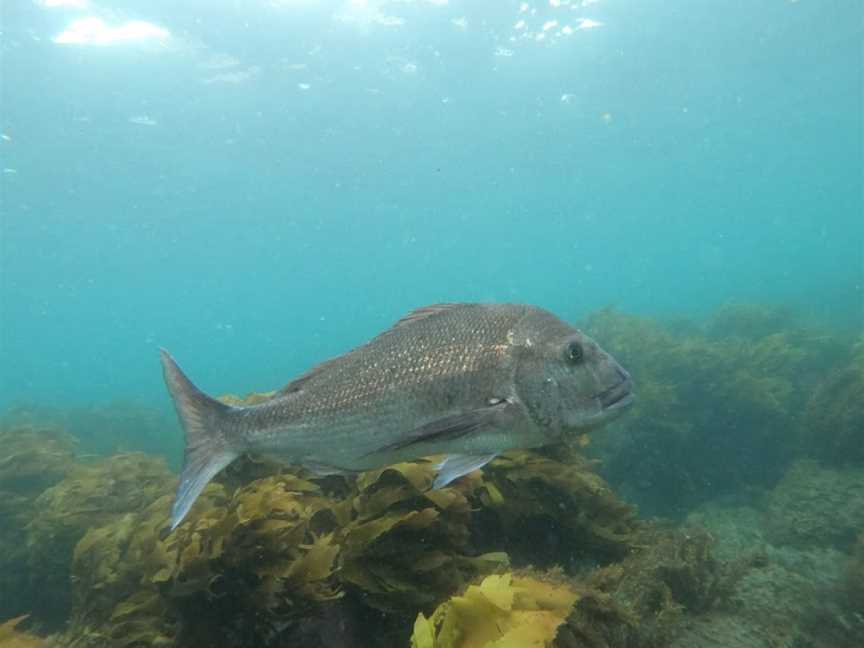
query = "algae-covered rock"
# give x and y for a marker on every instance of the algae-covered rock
(260, 563)
(718, 406)
(106, 428)
(405, 546)
(11, 637)
(118, 571)
(32, 458)
(745, 320)
(834, 424)
(503, 610)
(552, 509)
(854, 581)
(641, 601)
(813, 506)
(637, 603)
(90, 495)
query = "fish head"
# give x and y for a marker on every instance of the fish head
(565, 379)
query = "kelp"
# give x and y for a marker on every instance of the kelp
(636, 603)
(270, 556)
(404, 545)
(11, 637)
(105, 429)
(90, 495)
(503, 611)
(32, 458)
(718, 405)
(854, 579)
(834, 424)
(816, 506)
(639, 602)
(254, 566)
(554, 509)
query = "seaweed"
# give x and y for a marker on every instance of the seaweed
(404, 546)
(716, 408)
(554, 509)
(90, 495)
(506, 610)
(639, 602)
(854, 580)
(256, 566)
(816, 506)
(105, 429)
(834, 424)
(11, 637)
(32, 458)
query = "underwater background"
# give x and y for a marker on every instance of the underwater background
(258, 186)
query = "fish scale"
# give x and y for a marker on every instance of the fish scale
(465, 380)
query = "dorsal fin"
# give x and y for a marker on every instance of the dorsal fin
(416, 315)
(424, 312)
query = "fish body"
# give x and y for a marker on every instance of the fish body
(465, 380)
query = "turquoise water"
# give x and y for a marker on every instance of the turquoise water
(269, 184)
(257, 186)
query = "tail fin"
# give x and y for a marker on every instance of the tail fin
(208, 445)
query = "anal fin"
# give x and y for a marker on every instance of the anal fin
(455, 466)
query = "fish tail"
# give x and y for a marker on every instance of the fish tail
(211, 444)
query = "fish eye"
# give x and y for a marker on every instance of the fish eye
(575, 353)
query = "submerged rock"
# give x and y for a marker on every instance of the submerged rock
(11, 637)
(834, 429)
(32, 458)
(813, 506)
(273, 561)
(719, 405)
(90, 495)
(637, 603)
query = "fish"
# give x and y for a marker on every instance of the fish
(464, 380)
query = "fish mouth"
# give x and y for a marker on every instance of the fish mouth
(617, 396)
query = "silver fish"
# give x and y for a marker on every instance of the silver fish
(468, 381)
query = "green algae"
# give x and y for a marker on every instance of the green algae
(719, 405)
(854, 579)
(252, 565)
(270, 556)
(834, 430)
(638, 602)
(816, 506)
(553, 507)
(32, 458)
(90, 495)
(12, 637)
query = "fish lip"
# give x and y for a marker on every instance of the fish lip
(617, 396)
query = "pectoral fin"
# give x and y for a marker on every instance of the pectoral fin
(454, 466)
(456, 426)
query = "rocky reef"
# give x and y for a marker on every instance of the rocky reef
(32, 458)
(834, 429)
(750, 422)
(723, 404)
(269, 562)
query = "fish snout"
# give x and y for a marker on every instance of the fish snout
(620, 394)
